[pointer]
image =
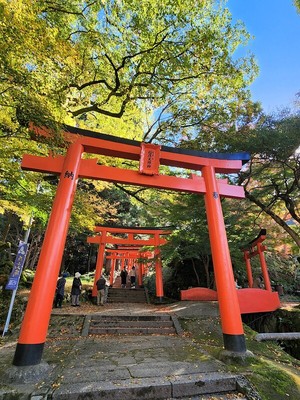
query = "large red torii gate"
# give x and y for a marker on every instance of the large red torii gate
(34, 327)
(104, 237)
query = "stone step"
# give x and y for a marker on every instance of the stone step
(131, 331)
(125, 291)
(129, 325)
(148, 317)
(134, 324)
(159, 388)
(128, 300)
(116, 295)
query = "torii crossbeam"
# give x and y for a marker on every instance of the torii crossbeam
(71, 167)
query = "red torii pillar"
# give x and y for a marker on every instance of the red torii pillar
(145, 265)
(250, 252)
(36, 319)
(100, 260)
(112, 271)
(248, 268)
(158, 270)
(35, 324)
(228, 300)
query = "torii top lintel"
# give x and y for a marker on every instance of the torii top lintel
(137, 242)
(259, 239)
(106, 238)
(99, 143)
(133, 230)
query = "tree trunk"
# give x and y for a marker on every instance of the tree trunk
(194, 268)
(7, 227)
(206, 267)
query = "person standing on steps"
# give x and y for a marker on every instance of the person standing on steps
(76, 290)
(132, 275)
(60, 290)
(101, 282)
(124, 275)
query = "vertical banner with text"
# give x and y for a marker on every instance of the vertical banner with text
(15, 274)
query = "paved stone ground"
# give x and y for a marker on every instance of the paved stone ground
(115, 367)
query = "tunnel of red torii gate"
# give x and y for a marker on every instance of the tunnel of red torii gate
(72, 166)
(128, 259)
(155, 240)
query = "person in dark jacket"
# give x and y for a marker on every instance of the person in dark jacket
(124, 275)
(60, 291)
(76, 290)
(101, 282)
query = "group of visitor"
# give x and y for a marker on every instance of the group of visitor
(75, 290)
(132, 276)
(101, 285)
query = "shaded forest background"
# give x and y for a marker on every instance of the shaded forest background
(172, 79)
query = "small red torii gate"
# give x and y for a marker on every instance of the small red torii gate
(132, 256)
(70, 167)
(250, 252)
(113, 255)
(251, 299)
(255, 299)
(140, 256)
(105, 238)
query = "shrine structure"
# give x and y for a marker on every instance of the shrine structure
(252, 299)
(73, 166)
(144, 259)
(105, 237)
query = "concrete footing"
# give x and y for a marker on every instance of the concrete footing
(28, 374)
(229, 357)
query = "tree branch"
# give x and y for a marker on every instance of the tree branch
(274, 216)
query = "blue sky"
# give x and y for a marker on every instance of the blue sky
(275, 26)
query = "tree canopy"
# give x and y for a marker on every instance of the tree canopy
(272, 180)
(162, 72)
(87, 62)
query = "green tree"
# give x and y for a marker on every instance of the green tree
(188, 250)
(81, 61)
(272, 180)
(108, 66)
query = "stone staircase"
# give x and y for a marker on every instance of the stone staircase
(117, 283)
(162, 324)
(116, 295)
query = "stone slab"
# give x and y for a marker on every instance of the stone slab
(178, 368)
(194, 384)
(134, 389)
(99, 374)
